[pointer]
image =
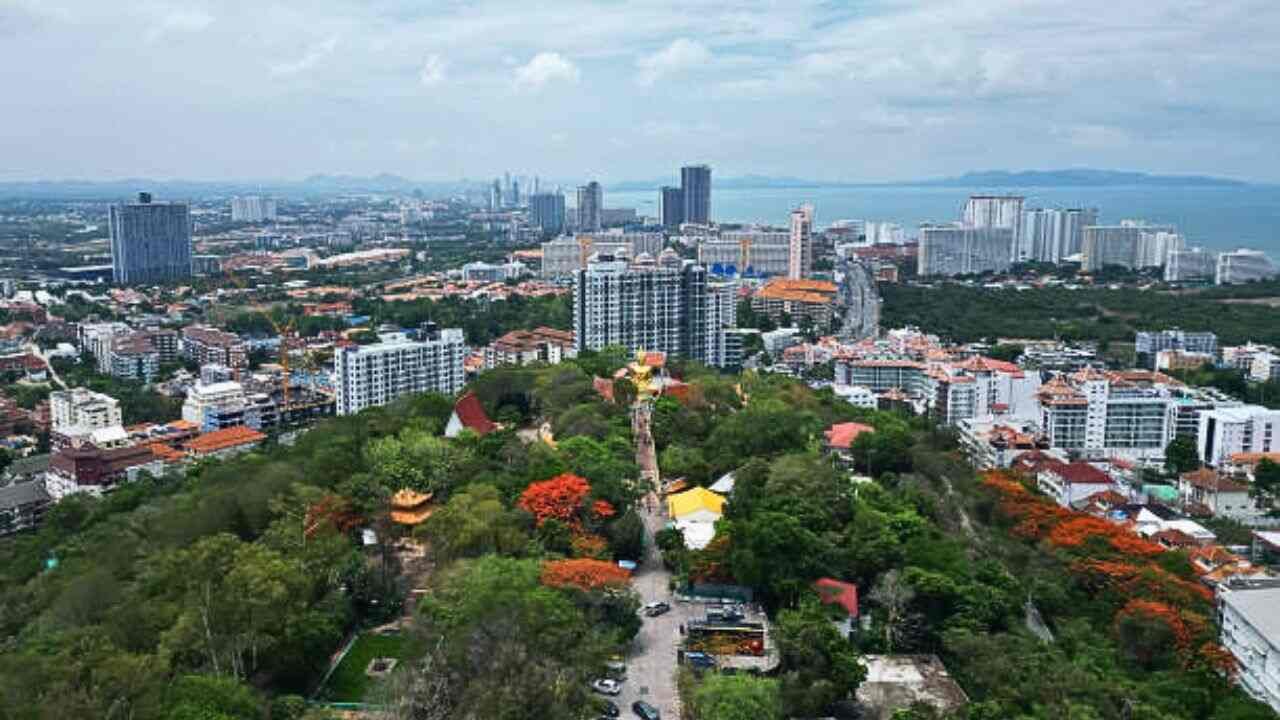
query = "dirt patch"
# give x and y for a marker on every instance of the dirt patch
(1263, 301)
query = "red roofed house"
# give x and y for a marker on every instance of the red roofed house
(1069, 482)
(1222, 496)
(842, 595)
(224, 443)
(469, 414)
(840, 437)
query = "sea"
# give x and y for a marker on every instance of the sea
(1217, 217)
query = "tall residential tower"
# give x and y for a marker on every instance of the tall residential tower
(150, 241)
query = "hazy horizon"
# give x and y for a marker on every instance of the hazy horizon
(879, 91)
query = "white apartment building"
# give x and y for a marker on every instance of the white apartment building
(964, 250)
(800, 246)
(999, 211)
(252, 208)
(1131, 244)
(204, 400)
(1050, 234)
(97, 338)
(80, 411)
(1243, 265)
(402, 363)
(566, 255)
(1102, 415)
(1190, 264)
(1223, 432)
(1249, 618)
(647, 307)
(722, 316)
(755, 253)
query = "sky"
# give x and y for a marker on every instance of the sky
(856, 91)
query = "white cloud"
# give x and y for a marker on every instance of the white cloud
(682, 54)
(314, 54)
(179, 21)
(544, 68)
(432, 72)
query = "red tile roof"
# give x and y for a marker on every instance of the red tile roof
(1079, 473)
(223, 439)
(835, 592)
(1207, 479)
(472, 415)
(842, 435)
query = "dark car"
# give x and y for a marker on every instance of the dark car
(645, 711)
(699, 660)
(609, 710)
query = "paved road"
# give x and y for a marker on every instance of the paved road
(651, 663)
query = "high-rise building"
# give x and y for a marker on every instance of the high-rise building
(1123, 245)
(964, 250)
(590, 205)
(1224, 432)
(1155, 246)
(747, 253)
(800, 245)
(1051, 235)
(515, 193)
(546, 212)
(252, 208)
(671, 206)
(1243, 265)
(564, 256)
(1190, 264)
(495, 195)
(653, 307)
(722, 317)
(150, 242)
(999, 211)
(403, 363)
(695, 189)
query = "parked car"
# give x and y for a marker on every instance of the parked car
(606, 686)
(645, 711)
(699, 660)
(609, 709)
(655, 609)
(616, 670)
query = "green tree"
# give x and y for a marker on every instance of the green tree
(818, 667)
(210, 697)
(475, 522)
(1181, 456)
(737, 697)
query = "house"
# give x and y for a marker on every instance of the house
(1068, 483)
(22, 507)
(841, 595)
(695, 513)
(1246, 464)
(1218, 494)
(1250, 631)
(1186, 529)
(224, 443)
(839, 439)
(469, 414)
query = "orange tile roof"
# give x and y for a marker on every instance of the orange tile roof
(807, 291)
(165, 452)
(223, 439)
(842, 435)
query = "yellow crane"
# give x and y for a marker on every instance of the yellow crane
(284, 331)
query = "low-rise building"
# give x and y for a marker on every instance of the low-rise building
(1067, 483)
(797, 299)
(223, 443)
(521, 347)
(211, 346)
(22, 507)
(1207, 490)
(1249, 618)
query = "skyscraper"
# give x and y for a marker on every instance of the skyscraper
(695, 187)
(1049, 235)
(150, 242)
(671, 206)
(495, 195)
(963, 249)
(1244, 265)
(650, 308)
(1131, 244)
(405, 363)
(515, 193)
(590, 203)
(999, 211)
(546, 211)
(252, 208)
(800, 249)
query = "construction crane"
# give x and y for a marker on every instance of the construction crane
(284, 331)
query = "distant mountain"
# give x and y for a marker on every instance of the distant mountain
(1081, 177)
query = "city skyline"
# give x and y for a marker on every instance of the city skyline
(870, 92)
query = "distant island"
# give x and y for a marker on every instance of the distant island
(389, 183)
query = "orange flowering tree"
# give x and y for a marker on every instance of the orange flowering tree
(584, 574)
(561, 497)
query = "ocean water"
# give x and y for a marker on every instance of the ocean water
(1219, 218)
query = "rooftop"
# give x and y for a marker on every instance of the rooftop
(1260, 607)
(223, 439)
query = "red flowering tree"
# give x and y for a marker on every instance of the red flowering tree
(584, 574)
(561, 498)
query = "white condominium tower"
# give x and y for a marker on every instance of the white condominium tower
(800, 249)
(646, 307)
(403, 363)
(1243, 265)
(1051, 234)
(964, 250)
(999, 211)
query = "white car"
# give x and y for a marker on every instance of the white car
(605, 686)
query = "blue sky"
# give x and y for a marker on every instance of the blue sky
(885, 90)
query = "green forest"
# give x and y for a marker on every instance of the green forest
(221, 593)
(966, 313)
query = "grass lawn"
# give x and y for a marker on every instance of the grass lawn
(348, 683)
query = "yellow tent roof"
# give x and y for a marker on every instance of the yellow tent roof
(694, 500)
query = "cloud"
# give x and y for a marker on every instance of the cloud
(682, 54)
(432, 72)
(544, 68)
(179, 21)
(314, 54)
